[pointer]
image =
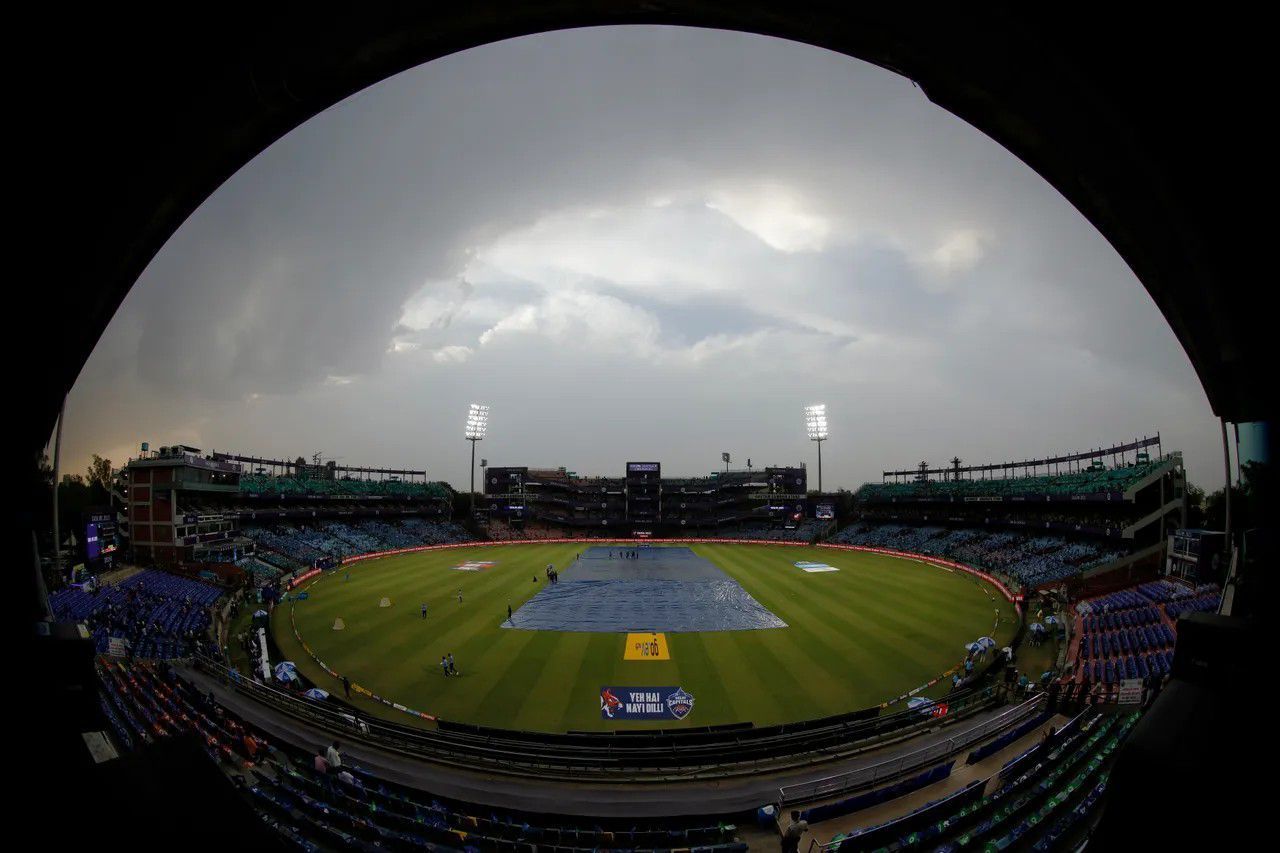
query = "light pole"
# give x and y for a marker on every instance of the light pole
(725, 458)
(477, 425)
(815, 422)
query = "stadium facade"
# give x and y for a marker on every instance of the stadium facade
(1041, 522)
(642, 502)
(180, 506)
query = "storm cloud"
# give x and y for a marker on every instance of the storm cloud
(639, 243)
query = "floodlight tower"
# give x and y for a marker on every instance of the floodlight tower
(477, 425)
(815, 421)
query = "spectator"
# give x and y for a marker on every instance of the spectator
(333, 756)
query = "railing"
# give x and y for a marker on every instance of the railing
(671, 754)
(876, 837)
(865, 777)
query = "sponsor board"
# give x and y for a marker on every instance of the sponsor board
(474, 566)
(815, 567)
(645, 703)
(648, 646)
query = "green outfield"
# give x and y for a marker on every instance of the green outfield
(856, 637)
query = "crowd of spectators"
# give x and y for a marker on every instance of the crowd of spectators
(1030, 559)
(289, 547)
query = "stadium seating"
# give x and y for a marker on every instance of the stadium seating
(159, 614)
(1074, 483)
(1034, 800)
(315, 811)
(1031, 560)
(260, 484)
(1130, 633)
(806, 531)
(291, 547)
(261, 571)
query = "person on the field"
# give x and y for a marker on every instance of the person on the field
(346, 686)
(444, 666)
(424, 610)
(509, 612)
(453, 670)
(459, 596)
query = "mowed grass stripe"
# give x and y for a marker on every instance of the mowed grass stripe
(876, 628)
(879, 660)
(572, 695)
(823, 619)
(718, 680)
(814, 650)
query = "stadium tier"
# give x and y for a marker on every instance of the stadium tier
(1130, 633)
(1105, 481)
(316, 806)
(644, 503)
(305, 544)
(183, 506)
(1034, 801)
(1029, 559)
(1035, 522)
(156, 614)
(1044, 783)
(257, 485)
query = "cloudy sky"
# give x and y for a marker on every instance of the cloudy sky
(639, 243)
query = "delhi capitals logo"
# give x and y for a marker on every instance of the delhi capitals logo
(680, 703)
(609, 703)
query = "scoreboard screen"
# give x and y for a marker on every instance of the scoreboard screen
(99, 539)
(501, 481)
(644, 468)
(790, 481)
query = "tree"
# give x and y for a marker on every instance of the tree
(100, 472)
(1195, 507)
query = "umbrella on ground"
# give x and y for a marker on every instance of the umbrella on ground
(1051, 620)
(986, 642)
(317, 694)
(1008, 652)
(1037, 628)
(1046, 675)
(257, 614)
(919, 703)
(286, 671)
(973, 647)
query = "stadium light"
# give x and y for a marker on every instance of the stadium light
(815, 422)
(477, 426)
